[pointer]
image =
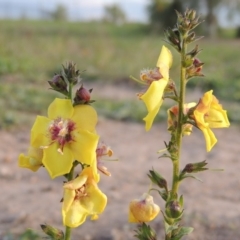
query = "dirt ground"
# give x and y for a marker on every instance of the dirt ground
(212, 207)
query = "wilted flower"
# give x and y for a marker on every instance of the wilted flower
(143, 209)
(103, 150)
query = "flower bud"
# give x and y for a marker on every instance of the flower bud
(195, 167)
(173, 209)
(82, 95)
(197, 64)
(71, 73)
(54, 233)
(143, 209)
(158, 179)
(58, 84)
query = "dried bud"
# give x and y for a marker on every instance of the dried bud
(71, 74)
(195, 167)
(194, 52)
(58, 84)
(173, 209)
(158, 179)
(191, 37)
(195, 69)
(197, 64)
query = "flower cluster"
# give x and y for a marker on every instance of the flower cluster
(62, 140)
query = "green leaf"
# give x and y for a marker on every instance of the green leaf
(183, 231)
(170, 228)
(165, 156)
(191, 176)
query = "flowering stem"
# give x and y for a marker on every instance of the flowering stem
(70, 91)
(68, 230)
(176, 160)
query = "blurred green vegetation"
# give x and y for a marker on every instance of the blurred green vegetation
(32, 51)
(26, 235)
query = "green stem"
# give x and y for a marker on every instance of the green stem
(176, 161)
(70, 91)
(67, 233)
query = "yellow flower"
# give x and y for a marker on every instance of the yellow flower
(67, 134)
(210, 114)
(158, 80)
(33, 160)
(82, 198)
(143, 209)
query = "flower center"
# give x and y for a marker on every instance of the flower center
(80, 192)
(150, 75)
(61, 131)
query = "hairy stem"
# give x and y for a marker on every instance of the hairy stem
(176, 161)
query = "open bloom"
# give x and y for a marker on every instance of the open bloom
(33, 160)
(82, 198)
(67, 134)
(143, 209)
(158, 80)
(210, 114)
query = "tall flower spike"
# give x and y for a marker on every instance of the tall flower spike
(82, 198)
(67, 134)
(210, 114)
(153, 97)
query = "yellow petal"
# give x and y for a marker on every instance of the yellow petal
(97, 200)
(77, 182)
(85, 117)
(39, 132)
(60, 108)
(153, 100)
(28, 162)
(68, 199)
(84, 146)
(57, 164)
(200, 119)
(209, 138)
(164, 62)
(75, 216)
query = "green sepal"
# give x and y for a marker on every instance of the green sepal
(52, 232)
(170, 228)
(145, 232)
(182, 232)
(189, 176)
(158, 179)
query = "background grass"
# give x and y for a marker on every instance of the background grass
(32, 51)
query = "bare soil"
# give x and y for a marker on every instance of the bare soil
(212, 207)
